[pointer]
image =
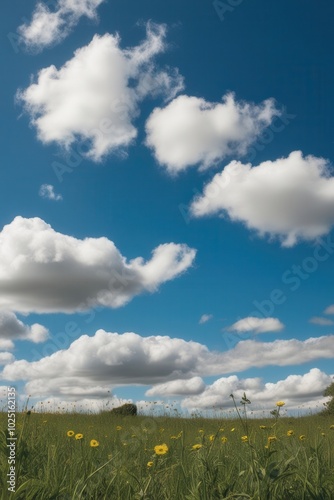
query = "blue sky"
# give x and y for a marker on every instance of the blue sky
(249, 236)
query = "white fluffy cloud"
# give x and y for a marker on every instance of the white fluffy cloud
(295, 390)
(93, 365)
(291, 198)
(95, 96)
(11, 328)
(45, 271)
(257, 325)
(49, 27)
(47, 191)
(6, 358)
(191, 131)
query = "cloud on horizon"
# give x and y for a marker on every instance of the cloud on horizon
(295, 391)
(93, 365)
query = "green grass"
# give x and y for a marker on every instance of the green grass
(51, 465)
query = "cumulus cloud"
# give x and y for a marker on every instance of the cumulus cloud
(194, 385)
(11, 328)
(47, 191)
(191, 131)
(329, 310)
(95, 96)
(45, 271)
(93, 365)
(6, 358)
(316, 320)
(290, 198)
(257, 325)
(295, 390)
(205, 318)
(50, 27)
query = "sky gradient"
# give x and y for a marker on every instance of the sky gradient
(167, 199)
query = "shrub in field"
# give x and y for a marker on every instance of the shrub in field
(125, 410)
(329, 406)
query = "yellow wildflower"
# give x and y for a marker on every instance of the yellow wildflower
(93, 443)
(149, 464)
(70, 433)
(290, 433)
(197, 446)
(212, 437)
(224, 439)
(263, 426)
(118, 428)
(280, 404)
(244, 439)
(302, 437)
(78, 436)
(271, 439)
(161, 449)
(233, 429)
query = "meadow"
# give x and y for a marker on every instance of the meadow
(99, 456)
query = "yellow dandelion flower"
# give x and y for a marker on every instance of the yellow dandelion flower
(263, 426)
(70, 433)
(78, 436)
(271, 439)
(149, 464)
(302, 437)
(244, 439)
(212, 437)
(118, 428)
(290, 433)
(280, 404)
(224, 439)
(197, 446)
(93, 443)
(161, 449)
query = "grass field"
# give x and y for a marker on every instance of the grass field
(99, 456)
